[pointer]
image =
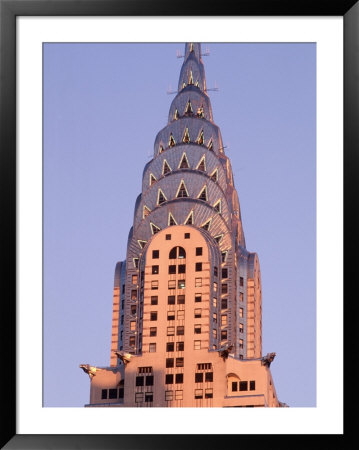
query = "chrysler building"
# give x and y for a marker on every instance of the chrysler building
(187, 300)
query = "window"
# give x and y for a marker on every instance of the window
(182, 191)
(198, 267)
(171, 299)
(180, 346)
(252, 385)
(180, 314)
(224, 303)
(179, 378)
(170, 331)
(104, 394)
(203, 194)
(132, 341)
(197, 345)
(241, 281)
(153, 331)
(155, 254)
(180, 331)
(154, 285)
(243, 385)
(154, 299)
(181, 284)
(214, 333)
(171, 315)
(155, 270)
(169, 362)
(241, 343)
(197, 313)
(123, 288)
(122, 317)
(198, 393)
(224, 319)
(180, 299)
(140, 380)
(134, 279)
(224, 256)
(149, 380)
(182, 268)
(224, 288)
(169, 378)
(208, 393)
(168, 237)
(179, 395)
(223, 334)
(153, 315)
(187, 235)
(170, 347)
(214, 317)
(198, 282)
(132, 325)
(133, 309)
(168, 395)
(197, 329)
(209, 376)
(171, 284)
(215, 287)
(179, 362)
(198, 377)
(224, 273)
(198, 298)
(145, 369)
(199, 251)
(121, 392)
(134, 294)
(148, 397)
(152, 347)
(240, 312)
(234, 386)
(241, 327)
(241, 296)
(139, 397)
(172, 269)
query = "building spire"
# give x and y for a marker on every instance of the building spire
(192, 72)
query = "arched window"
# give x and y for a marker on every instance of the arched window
(177, 252)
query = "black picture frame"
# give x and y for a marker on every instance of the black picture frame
(9, 10)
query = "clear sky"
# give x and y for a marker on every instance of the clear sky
(103, 106)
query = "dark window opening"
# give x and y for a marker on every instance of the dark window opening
(187, 235)
(104, 394)
(199, 251)
(153, 331)
(155, 254)
(168, 237)
(224, 273)
(224, 288)
(169, 379)
(241, 281)
(198, 298)
(243, 385)
(180, 331)
(154, 299)
(149, 380)
(182, 268)
(171, 299)
(171, 315)
(148, 397)
(179, 378)
(234, 386)
(140, 381)
(198, 267)
(209, 376)
(180, 346)
(170, 347)
(153, 315)
(112, 393)
(252, 385)
(198, 377)
(224, 303)
(169, 362)
(180, 299)
(172, 269)
(155, 270)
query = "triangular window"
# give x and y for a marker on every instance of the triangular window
(154, 228)
(166, 168)
(153, 179)
(218, 238)
(135, 262)
(171, 220)
(171, 141)
(214, 175)
(189, 220)
(197, 83)
(218, 206)
(146, 211)
(207, 225)
(224, 256)
(202, 164)
(191, 49)
(161, 198)
(200, 139)
(183, 85)
(210, 145)
(184, 162)
(188, 109)
(175, 116)
(182, 191)
(161, 149)
(141, 243)
(203, 194)
(200, 113)
(190, 78)
(186, 138)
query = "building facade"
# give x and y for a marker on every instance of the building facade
(187, 301)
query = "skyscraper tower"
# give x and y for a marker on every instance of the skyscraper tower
(187, 315)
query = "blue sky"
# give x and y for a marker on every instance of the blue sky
(103, 106)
